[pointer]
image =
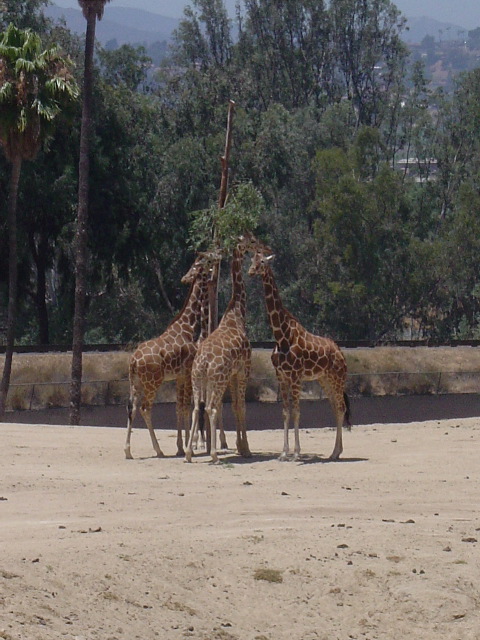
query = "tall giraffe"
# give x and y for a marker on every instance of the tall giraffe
(224, 359)
(170, 357)
(299, 355)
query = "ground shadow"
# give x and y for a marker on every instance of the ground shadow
(315, 458)
(234, 458)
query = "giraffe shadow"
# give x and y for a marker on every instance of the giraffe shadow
(313, 458)
(267, 456)
(160, 458)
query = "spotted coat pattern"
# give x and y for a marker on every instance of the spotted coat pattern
(170, 357)
(301, 356)
(224, 360)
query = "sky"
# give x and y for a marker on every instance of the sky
(464, 13)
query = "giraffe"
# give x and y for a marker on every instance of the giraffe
(224, 359)
(170, 357)
(299, 355)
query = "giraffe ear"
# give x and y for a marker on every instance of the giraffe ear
(270, 257)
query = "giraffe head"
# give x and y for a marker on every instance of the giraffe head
(204, 264)
(247, 242)
(260, 262)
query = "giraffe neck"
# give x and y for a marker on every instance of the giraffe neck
(238, 301)
(280, 318)
(189, 315)
(204, 307)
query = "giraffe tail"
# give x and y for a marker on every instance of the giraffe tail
(346, 418)
(201, 420)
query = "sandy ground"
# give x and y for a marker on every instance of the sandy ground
(382, 544)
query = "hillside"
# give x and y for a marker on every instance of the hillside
(125, 25)
(418, 28)
(137, 26)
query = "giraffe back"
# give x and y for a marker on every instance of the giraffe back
(310, 356)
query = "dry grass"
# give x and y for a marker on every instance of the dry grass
(42, 380)
(268, 575)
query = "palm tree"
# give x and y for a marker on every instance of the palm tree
(92, 9)
(35, 87)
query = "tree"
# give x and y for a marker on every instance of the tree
(92, 9)
(203, 36)
(25, 14)
(284, 53)
(370, 54)
(125, 66)
(363, 233)
(35, 86)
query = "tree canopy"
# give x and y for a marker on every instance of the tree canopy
(363, 180)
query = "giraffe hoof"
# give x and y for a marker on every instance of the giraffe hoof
(160, 454)
(180, 453)
(283, 457)
(188, 455)
(128, 454)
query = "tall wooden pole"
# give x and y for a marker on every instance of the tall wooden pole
(226, 156)
(222, 198)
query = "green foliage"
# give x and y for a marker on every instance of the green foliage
(24, 14)
(223, 226)
(124, 67)
(35, 86)
(362, 230)
(324, 112)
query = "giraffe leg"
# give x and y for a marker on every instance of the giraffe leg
(187, 406)
(341, 414)
(184, 398)
(213, 411)
(295, 397)
(238, 388)
(285, 395)
(146, 410)
(338, 448)
(131, 411)
(336, 396)
(213, 417)
(221, 430)
(193, 436)
(193, 431)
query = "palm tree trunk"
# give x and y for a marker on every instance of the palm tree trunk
(39, 253)
(82, 221)
(12, 280)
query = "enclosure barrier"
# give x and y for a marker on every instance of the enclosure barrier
(46, 395)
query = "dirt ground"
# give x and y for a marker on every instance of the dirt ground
(381, 545)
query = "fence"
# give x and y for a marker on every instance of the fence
(44, 395)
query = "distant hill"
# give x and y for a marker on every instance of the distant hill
(136, 26)
(125, 25)
(418, 28)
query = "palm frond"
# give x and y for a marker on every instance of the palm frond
(27, 66)
(58, 86)
(45, 111)
(35, 85)
(6, 92)
(98, 6)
